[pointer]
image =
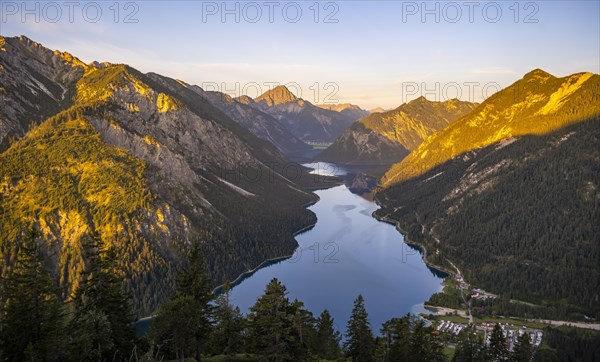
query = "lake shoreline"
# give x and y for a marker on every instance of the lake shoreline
(276, 259)
(420, 247)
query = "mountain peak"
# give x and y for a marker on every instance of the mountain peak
(421, 99)
(538, 74)
(377, 110)
(245, 100)
(276, 96)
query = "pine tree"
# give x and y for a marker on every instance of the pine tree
(32, 324)
(497, 348)
(270, 324)
(183, 324)
(101, 293)
(194, 282)
(522, 352)
(227, 337)
(360, 343)
(92, 336)
(470, 347)
(175, 326)
(303, 330)
(327, 338)
(407, 339)
(423, 345)
(396, 335)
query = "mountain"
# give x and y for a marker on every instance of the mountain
(302, 118)
(536, 104)
(509, 194)
(144, 162)
(377, 110)
(518, 218)
(347, 109)
(386, 138)
(34, 86)
(259, 123)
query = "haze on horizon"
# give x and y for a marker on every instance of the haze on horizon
(366, 53)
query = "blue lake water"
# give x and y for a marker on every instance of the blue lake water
(348, 252)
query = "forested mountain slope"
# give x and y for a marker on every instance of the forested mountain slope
(518, 217)
(149, 165)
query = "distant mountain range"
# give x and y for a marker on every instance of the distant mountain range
(536, 104)
(509, 194)
(303, 119)
(145, 162)
(506, 190)
(347, 109)
(386, 138)
(259, 123)
(377, 110)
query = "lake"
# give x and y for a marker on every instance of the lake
(347, 253)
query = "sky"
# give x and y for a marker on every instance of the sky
(369, 53)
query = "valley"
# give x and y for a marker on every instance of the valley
(146, 218)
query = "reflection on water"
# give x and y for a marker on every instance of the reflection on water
(347, 253)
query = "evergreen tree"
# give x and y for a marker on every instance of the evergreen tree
(396, 335)
(407, 339)
(270, 325)
(175, 326)
(522, 351)
(303, 330)
(497, 348)
(423, 345)
(470, 347)
(227, 336)
(327, 338)
(91, 336)
(32, 322)
(184, 323)
(360, 344)
(101, 294)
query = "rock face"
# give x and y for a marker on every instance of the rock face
(386, 138)
(261, 124)
(145, 162)
(360, 183)
(303, 119)
(35, 83)
(537, 104)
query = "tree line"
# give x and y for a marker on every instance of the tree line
(96, 322)
(527, 231)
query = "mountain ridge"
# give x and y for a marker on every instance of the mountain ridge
(517, 217)
(150, 165)
(385, 138)
(535, 104)
(303, 119)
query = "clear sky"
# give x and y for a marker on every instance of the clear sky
(371, 53)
